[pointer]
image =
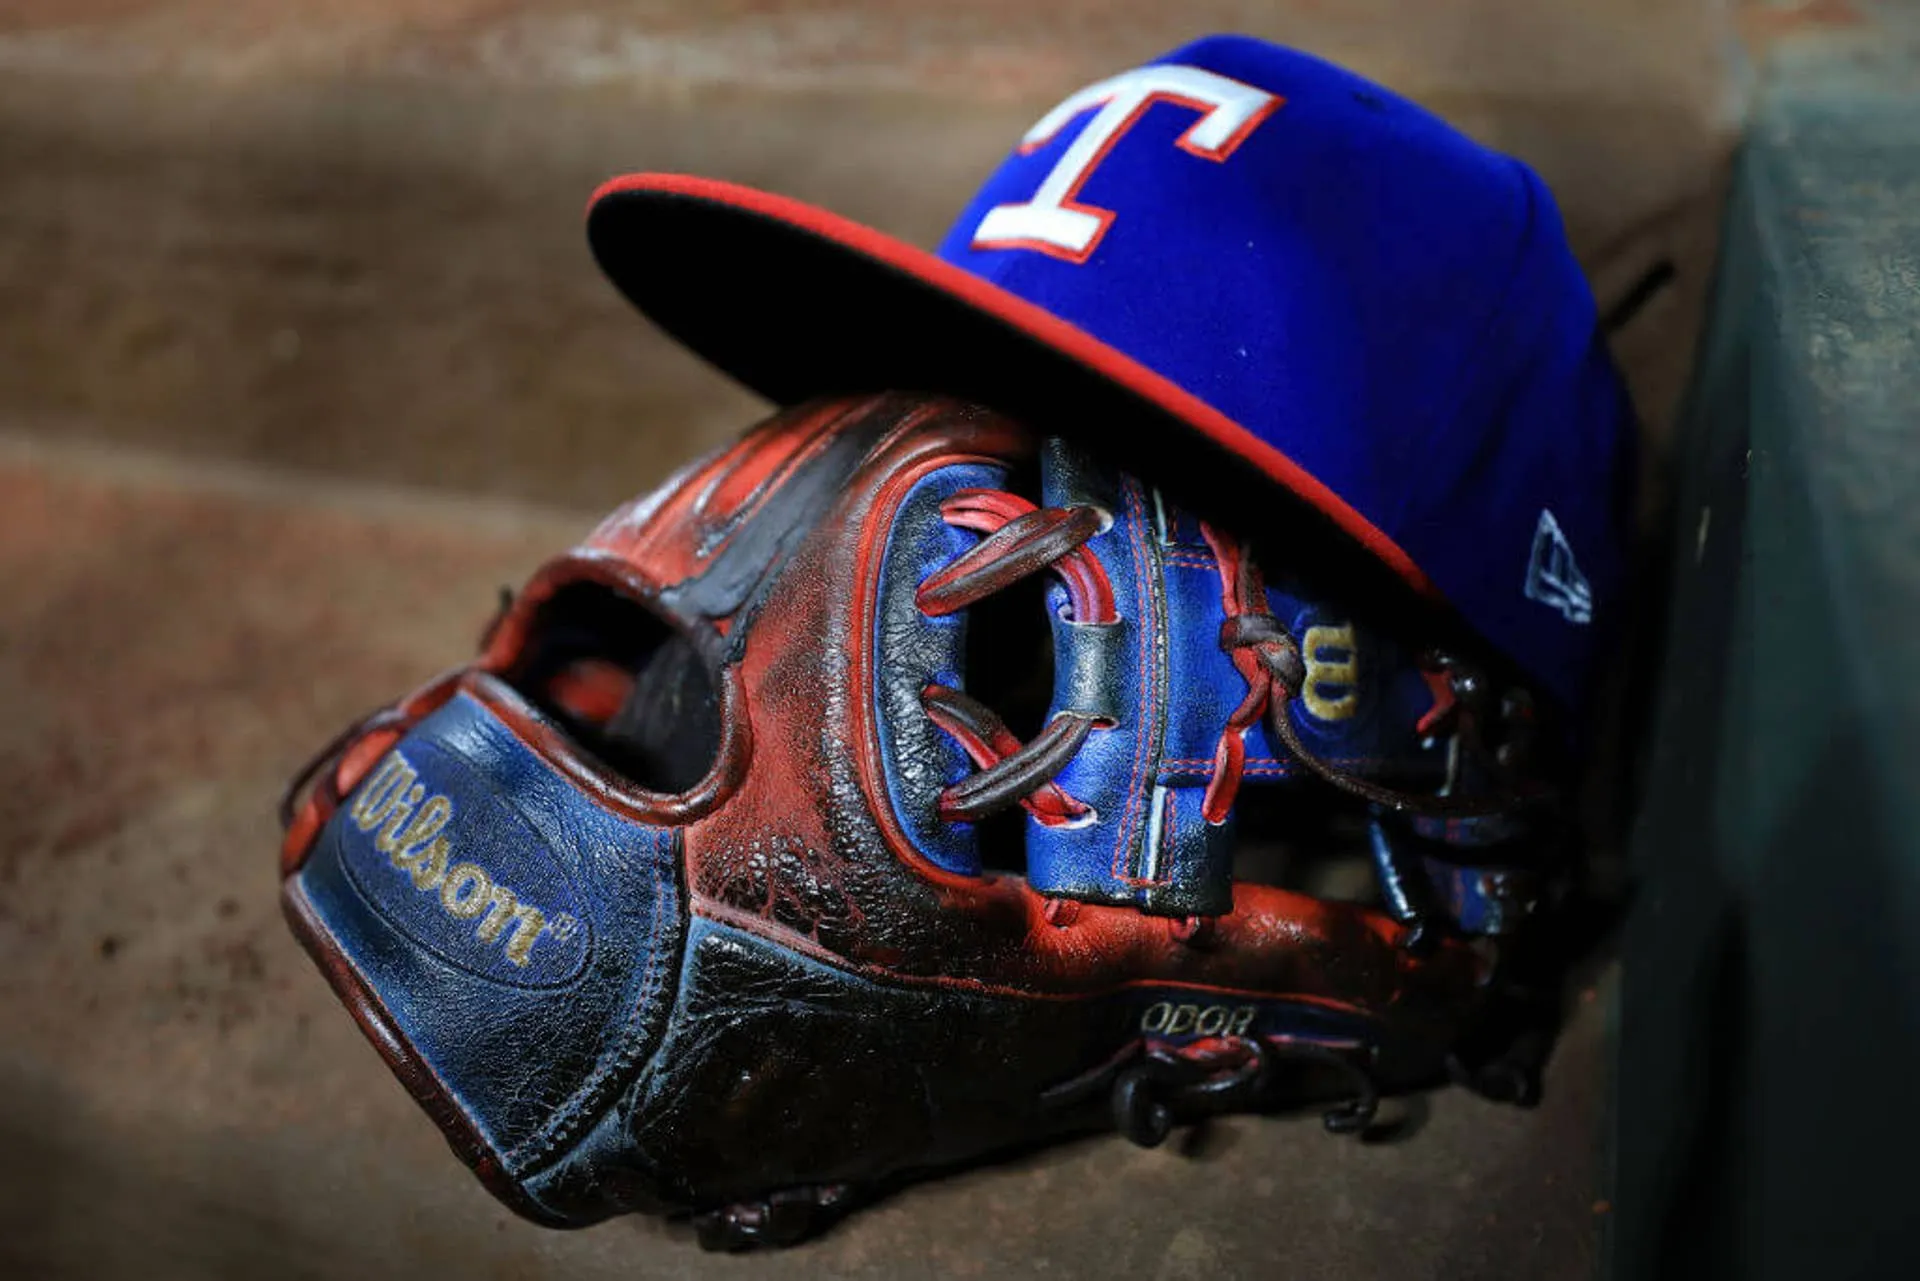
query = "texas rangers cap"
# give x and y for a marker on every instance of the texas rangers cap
(1309, 307)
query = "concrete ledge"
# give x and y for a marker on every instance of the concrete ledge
(1768, 1030)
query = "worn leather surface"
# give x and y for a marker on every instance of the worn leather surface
(830, 1105)
(856, 998)
(525, 949)
(913, 651)
(1165, 690)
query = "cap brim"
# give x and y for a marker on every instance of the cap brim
(795, 302)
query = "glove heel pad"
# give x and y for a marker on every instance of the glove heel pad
(510, 947)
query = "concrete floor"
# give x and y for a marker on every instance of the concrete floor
(301, 358)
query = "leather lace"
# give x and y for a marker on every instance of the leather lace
(1269, 659)
(1022, 539)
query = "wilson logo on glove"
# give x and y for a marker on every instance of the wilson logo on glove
(408, 826)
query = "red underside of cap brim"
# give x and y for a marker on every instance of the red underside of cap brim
(796, 302)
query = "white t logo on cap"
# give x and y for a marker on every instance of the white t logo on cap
(1052, 222)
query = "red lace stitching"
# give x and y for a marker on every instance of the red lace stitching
(1090, 593)
(987, 511)
(1241, 592)
(1090, 600)
(1049, 803)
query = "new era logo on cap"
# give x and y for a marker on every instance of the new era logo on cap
(1553, 576)
(1238, 265)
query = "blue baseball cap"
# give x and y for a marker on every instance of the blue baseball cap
(1311, 309)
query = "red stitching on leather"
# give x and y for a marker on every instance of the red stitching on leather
(1206, 762)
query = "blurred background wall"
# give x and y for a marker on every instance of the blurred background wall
(345, 236)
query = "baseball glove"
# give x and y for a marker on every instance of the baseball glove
(894, 788)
